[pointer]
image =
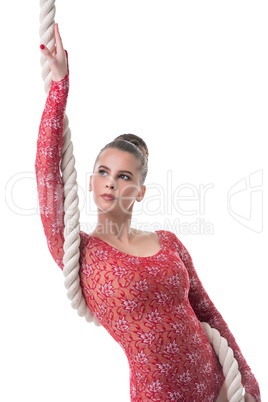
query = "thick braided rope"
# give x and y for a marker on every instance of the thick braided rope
(72, 227)
(71, 201)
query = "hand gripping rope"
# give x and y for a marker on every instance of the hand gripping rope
(72, 226)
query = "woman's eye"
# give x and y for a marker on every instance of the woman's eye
(124, 177)
(102, 172)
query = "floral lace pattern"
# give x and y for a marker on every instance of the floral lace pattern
(143, 303)
(152, 306)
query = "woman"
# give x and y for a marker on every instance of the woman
(142, 287)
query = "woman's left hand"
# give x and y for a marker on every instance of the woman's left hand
(249, 398)
(57, 58)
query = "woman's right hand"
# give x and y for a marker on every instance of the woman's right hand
(57, 58)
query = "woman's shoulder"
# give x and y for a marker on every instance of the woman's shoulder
(84, 239)
(167, 234)
(173, 241)
(163, 235)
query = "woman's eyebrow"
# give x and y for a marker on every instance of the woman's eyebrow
(104, 167)
(120, 171)
(126, 171)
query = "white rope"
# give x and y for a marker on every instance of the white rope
(71, 201)
(72, 226)
(229, 363)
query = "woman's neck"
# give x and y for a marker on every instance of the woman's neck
(111, 228)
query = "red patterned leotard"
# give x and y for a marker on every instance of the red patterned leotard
(152, 306)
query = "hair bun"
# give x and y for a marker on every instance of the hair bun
(135, 140)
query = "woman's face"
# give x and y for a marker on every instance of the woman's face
(116, 182)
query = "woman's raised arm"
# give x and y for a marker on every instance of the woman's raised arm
(49, 150)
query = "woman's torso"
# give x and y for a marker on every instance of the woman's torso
(143, 303)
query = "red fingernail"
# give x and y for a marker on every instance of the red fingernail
(42, 47)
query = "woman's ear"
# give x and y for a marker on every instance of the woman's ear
(141, 194)
(90, 183)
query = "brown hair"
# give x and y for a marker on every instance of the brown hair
(136, 146)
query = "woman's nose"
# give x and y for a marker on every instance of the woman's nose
(110, 185)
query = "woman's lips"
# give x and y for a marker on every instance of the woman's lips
(108, 197)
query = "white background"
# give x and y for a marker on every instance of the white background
(191, 79)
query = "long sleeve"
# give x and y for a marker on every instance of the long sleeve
(47, 167)
(207, 312)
